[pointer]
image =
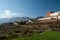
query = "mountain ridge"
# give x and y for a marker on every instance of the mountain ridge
(14, 19)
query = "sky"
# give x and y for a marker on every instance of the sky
(27, 8)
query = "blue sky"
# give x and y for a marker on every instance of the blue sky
(29, 8)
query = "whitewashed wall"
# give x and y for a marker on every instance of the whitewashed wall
(49, 18)
(55, 14)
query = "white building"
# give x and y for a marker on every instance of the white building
(54, 15)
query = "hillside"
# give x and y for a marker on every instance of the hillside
(11, 30)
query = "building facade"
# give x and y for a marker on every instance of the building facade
(51, 15)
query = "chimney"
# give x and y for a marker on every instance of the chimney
(48, 14)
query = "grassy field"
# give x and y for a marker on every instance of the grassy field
(48, 35)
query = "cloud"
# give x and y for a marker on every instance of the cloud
(10, 14)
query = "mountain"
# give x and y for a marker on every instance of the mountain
(14, 19)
